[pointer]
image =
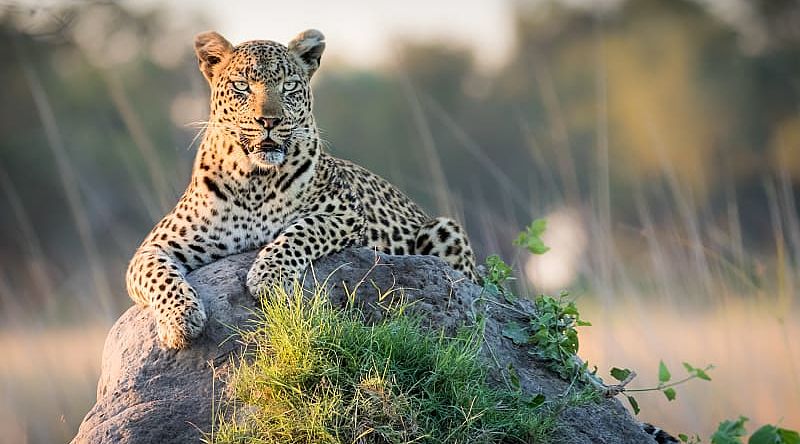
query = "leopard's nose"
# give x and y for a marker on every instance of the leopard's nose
(269, 122)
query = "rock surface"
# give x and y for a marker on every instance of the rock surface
(150, 395)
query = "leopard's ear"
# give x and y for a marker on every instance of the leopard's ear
(308, 47)
(213, 52)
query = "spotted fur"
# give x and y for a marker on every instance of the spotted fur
(261, 180)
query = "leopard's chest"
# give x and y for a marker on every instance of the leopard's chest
(254, 219)
(244, 221)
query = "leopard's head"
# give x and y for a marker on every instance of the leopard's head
(260, 93)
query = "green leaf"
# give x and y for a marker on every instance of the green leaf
(702, 374)
(689, 439)
(512, 373)
(663, 373)
(634, 405)
(571, 309)
(571, 341)
(516, 333)
(497, 271)
(491, 287)
(698, 372)
(620, 373)
(541, 337)
(695, 439)
(669, 393)
(767, 434)
(546, 318)
(582, 323)
(531, 240)
(538, 247)
(537, 400)
(789, 436)
(538, 226)
(729, 432)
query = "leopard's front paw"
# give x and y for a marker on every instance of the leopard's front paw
(178, 325)
(257, 281)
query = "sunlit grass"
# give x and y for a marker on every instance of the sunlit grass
(318, 374)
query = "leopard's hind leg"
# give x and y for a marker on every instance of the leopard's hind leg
(444, 237)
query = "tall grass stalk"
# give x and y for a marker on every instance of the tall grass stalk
(69, 180)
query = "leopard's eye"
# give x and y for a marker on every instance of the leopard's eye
(240, 86)
(290, 86)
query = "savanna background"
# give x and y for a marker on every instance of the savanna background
(660, 138)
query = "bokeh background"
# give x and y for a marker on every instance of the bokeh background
(660, 138)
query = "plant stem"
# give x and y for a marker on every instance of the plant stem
(662, 387)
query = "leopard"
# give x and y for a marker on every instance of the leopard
(263, 180)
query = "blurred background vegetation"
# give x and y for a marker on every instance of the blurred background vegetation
(661, 139)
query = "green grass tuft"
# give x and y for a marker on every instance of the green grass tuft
(317, 374)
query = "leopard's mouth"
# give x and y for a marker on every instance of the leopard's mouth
(268, 152)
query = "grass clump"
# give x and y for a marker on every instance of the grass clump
(318, 374)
